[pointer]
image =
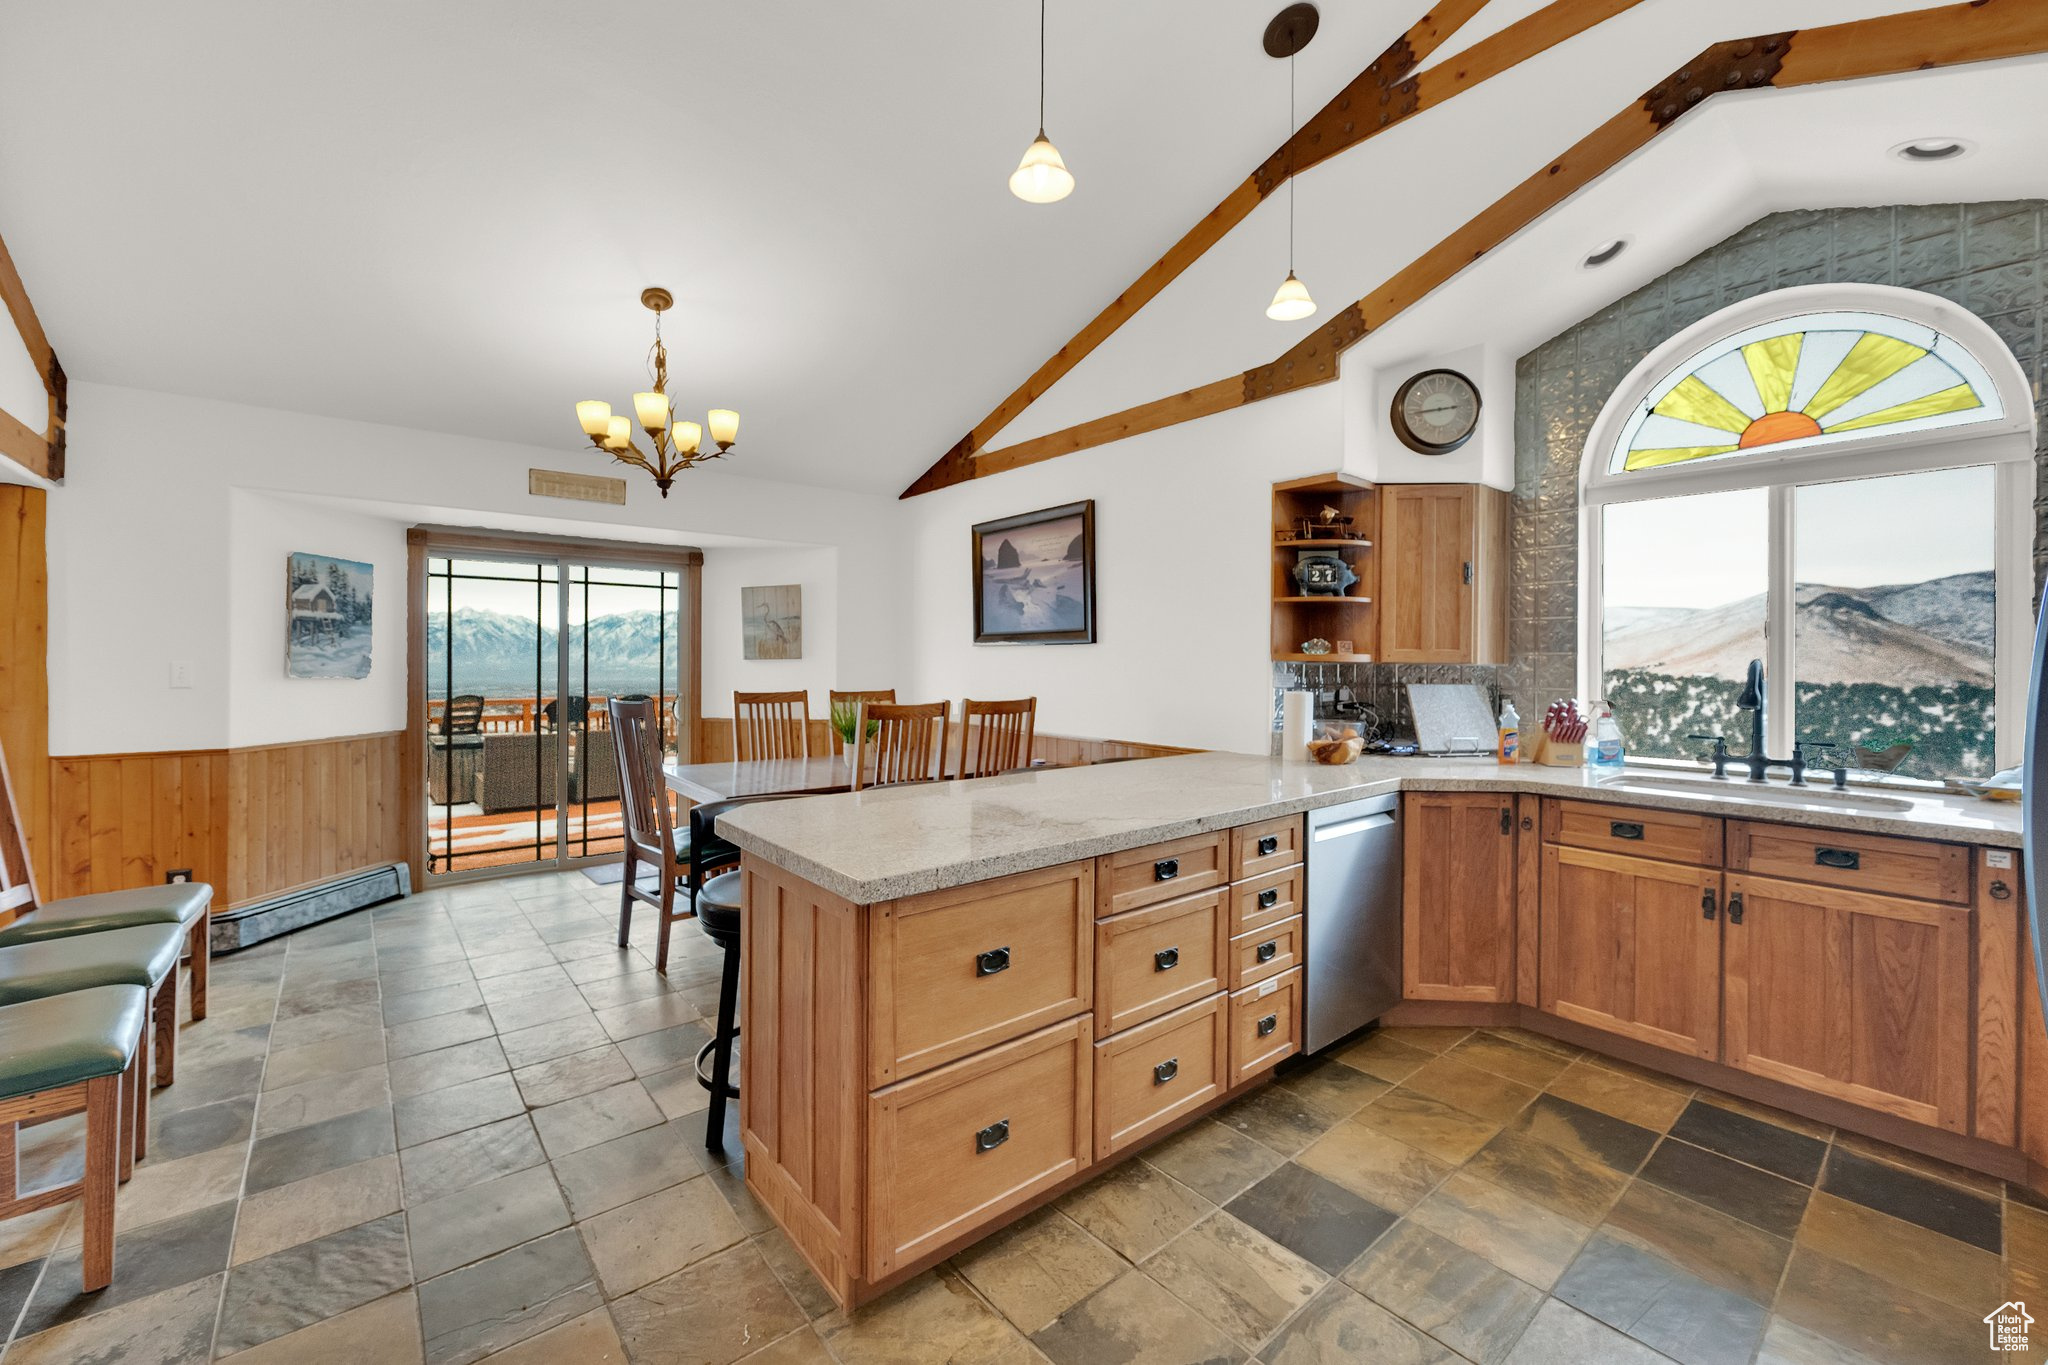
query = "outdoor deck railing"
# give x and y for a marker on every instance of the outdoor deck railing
(515, 715)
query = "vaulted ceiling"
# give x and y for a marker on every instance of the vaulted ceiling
(441, 216)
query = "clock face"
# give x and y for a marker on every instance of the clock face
(1436, 411)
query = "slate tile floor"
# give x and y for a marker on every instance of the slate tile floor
(463, 1128)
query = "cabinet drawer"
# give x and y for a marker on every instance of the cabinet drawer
(1265, 847)
(1265, 952)
(1265, 1025)
(1158, 959)
(955, 971)
(955, 1149)
(1265, 900)
(1147, 1077)
(1637, 831)
(1157, 872)
(1919, 868)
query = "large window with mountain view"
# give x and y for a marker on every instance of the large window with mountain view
(1838, 493)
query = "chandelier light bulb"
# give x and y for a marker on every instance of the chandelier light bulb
(1291, 302)
(652, 410)
(687, 435)
(725, 427)
(595, 417)
(1042, 176)
(618, 434)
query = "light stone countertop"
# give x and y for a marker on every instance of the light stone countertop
(897, 841)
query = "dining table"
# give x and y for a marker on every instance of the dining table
(698, 783)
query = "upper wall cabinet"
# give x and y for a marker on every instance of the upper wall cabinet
(1443, 557)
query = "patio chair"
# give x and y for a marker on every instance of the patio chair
(518, 773)
(463, 715)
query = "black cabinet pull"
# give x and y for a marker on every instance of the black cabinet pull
(1624, 829)
(993, 1136)
(993, 961)
(1269, 898)
(2000, 891)
(1735, 908)
(1269, 844)
(1268, 949)
(1166, 1071)
(1166, 869)
(1268, 1024)
(1166, 959)
(1848, 859)
(1707, 902)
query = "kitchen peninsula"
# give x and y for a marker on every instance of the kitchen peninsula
(962, 998)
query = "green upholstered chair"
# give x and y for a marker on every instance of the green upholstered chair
(65, 1054)
(145, 957)
(184, 905)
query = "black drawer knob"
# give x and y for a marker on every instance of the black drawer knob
(1848, 859)
(1269, 845)
(1166, 959)
(1268, 950)
(1166, 1071)
(1166, 869)
(993, 1136)
(1269, 898)
(1625, 829)
(993, 961)
(1268, 1024)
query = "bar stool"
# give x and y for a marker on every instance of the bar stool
(184, 905)
(145, 956)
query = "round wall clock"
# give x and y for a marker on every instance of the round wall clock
(1436, 412)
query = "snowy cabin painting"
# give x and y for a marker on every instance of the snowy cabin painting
(327, 621)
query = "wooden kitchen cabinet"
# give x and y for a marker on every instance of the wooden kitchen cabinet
(1859, 996)
(1458, 896)
(1632, 946)
(1443, 553)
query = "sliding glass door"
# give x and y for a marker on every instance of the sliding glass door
(516, 655)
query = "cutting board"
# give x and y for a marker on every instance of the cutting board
(1451, 718)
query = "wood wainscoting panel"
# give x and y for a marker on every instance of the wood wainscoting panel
(126, 820)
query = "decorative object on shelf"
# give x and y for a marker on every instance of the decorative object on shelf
(1344, 647)
(1435, 412)
(1316, 646)
(772, 622)
(1321, 574)
(1042, 176)
(1034, 577)
(327, 617)
(1287, 34)
(675, 445)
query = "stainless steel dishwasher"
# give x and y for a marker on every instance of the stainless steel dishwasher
(1354, 916)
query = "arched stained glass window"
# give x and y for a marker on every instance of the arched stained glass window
(1813, 380)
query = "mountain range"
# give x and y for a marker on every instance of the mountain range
(498, 653)
(1902, 635)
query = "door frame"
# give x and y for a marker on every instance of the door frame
(425, 541)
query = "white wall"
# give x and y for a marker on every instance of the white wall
(167, 539)
(1182, 521)
(816, 571)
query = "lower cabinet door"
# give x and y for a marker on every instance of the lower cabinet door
(955, 1149)
(1265, 1025)
(1863, 997)
(1632, 946)
(1458, 896)
(1149, 1076)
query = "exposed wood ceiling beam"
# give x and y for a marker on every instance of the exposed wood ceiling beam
(1948, 35)
(41, 453)
(1380, 97)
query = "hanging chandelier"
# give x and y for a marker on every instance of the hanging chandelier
(676, 445)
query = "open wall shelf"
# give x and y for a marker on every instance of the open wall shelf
(1298, 617)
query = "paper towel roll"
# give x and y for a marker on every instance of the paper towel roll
(1297, 711)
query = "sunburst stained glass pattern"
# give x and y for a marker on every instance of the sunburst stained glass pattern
(1809, 380)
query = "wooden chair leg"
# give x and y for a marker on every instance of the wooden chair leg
(626, 898)
(138, 1095)
(131, 1112)
(200, 946)
(102, 1138)
(665, 916)
(165, 1008)
(10, 1170)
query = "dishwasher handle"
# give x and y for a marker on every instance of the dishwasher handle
(1356, 825)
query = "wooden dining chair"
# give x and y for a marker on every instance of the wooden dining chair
(649, 820)
(771, 725)
(854, 699)
(909, 744)
(995, 736)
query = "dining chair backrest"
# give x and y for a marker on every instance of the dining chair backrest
(853, 699)
(908, 744)
(771, 725)
(995, 736)
(17, 875)
(463, 715)
(643, 798)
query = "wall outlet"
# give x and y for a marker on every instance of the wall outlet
(178, 875)
(181, 673)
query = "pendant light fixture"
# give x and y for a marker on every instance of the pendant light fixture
(1286, 36)
(1041, 177)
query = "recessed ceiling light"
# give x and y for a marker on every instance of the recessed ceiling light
(1934, 149)
(1602, 254)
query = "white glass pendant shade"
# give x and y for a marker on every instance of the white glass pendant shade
(652, 410)
(725, 426)
(1291, 302)
(1041, 177)
(686, 437)
(596, 417)
(618, 434)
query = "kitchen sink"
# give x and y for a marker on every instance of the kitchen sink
(1772, 794)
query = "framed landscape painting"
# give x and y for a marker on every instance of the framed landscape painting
(327, 617)
(1034, 578)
